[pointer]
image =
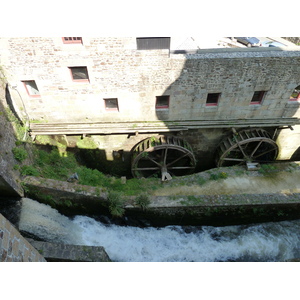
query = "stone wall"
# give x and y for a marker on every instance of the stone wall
(13, 247)
(9, 185)
(117, 70)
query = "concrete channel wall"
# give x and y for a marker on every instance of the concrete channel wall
(248, 198)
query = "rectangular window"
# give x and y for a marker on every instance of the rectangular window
(79, 73)
(111, 104)
(72, 40)
(258, 97)
(152, 43)
(162, 102)
(212, 99)
(31, 88)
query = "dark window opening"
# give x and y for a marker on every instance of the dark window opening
(162, 102)
(296, 94)
(79, 73)
(111, 104)
(212, 99)
(72, 40)
(153, 43)
(258, 97)
(31, 88)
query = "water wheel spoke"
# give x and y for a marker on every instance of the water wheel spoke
(177, 159)
(180, 168)
(165, 156)
(234, 159)
(265, 152)
(145, 168)
(154, 161)
(242, 150)
(256, 148)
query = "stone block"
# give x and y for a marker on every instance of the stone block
(77, 253)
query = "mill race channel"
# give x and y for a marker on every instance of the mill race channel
(265, 242)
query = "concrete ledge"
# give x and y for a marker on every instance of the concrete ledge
(67, 197)
(276, 198)
(53, 252)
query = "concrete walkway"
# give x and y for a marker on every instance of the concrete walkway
(280, 182)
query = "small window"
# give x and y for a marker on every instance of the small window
(296, 94)
(152, 43)
(79, 73)
(31, 88)
(111, 104)
(72, 40)
(258, 97)
(212, 99)
(162, 102)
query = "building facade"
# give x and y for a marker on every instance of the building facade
(123, 90)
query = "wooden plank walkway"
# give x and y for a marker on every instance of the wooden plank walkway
(153, 126)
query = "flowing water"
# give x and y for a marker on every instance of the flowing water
(258, 242)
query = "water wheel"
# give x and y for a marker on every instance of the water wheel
(253, 145)
(162, 156)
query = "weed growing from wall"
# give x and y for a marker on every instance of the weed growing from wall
(143, 201)
(116, 204)
(20, 154)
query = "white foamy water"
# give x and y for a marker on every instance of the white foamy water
(263, 242)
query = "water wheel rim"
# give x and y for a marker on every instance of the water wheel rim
(163, 162)
(252, 157)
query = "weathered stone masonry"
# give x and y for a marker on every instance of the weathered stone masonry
(116, 69)
(13, 247)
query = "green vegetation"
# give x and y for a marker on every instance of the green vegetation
(267, 169)
(116, 204)
(217, 176)
(87, 143)
(29, 171)
(19, 128)
(20, 153)
(57, 165)
(143, 201)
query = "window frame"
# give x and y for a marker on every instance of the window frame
(260, 97)
(213, 103)
(74, 40)
(79, 80)
(116, 108)
(153, 43)
(296, 91)
(27, 90)
(164, 106)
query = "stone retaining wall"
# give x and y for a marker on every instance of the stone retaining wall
(15, 248)
(9, 185)
(202, 209)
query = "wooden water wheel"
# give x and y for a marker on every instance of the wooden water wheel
(162, 156)
(253, 145)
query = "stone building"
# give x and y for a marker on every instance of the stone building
(212, 106)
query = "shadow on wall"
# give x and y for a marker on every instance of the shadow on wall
(296, 155)
(93, 158)
(185, 99)
(212, 89)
